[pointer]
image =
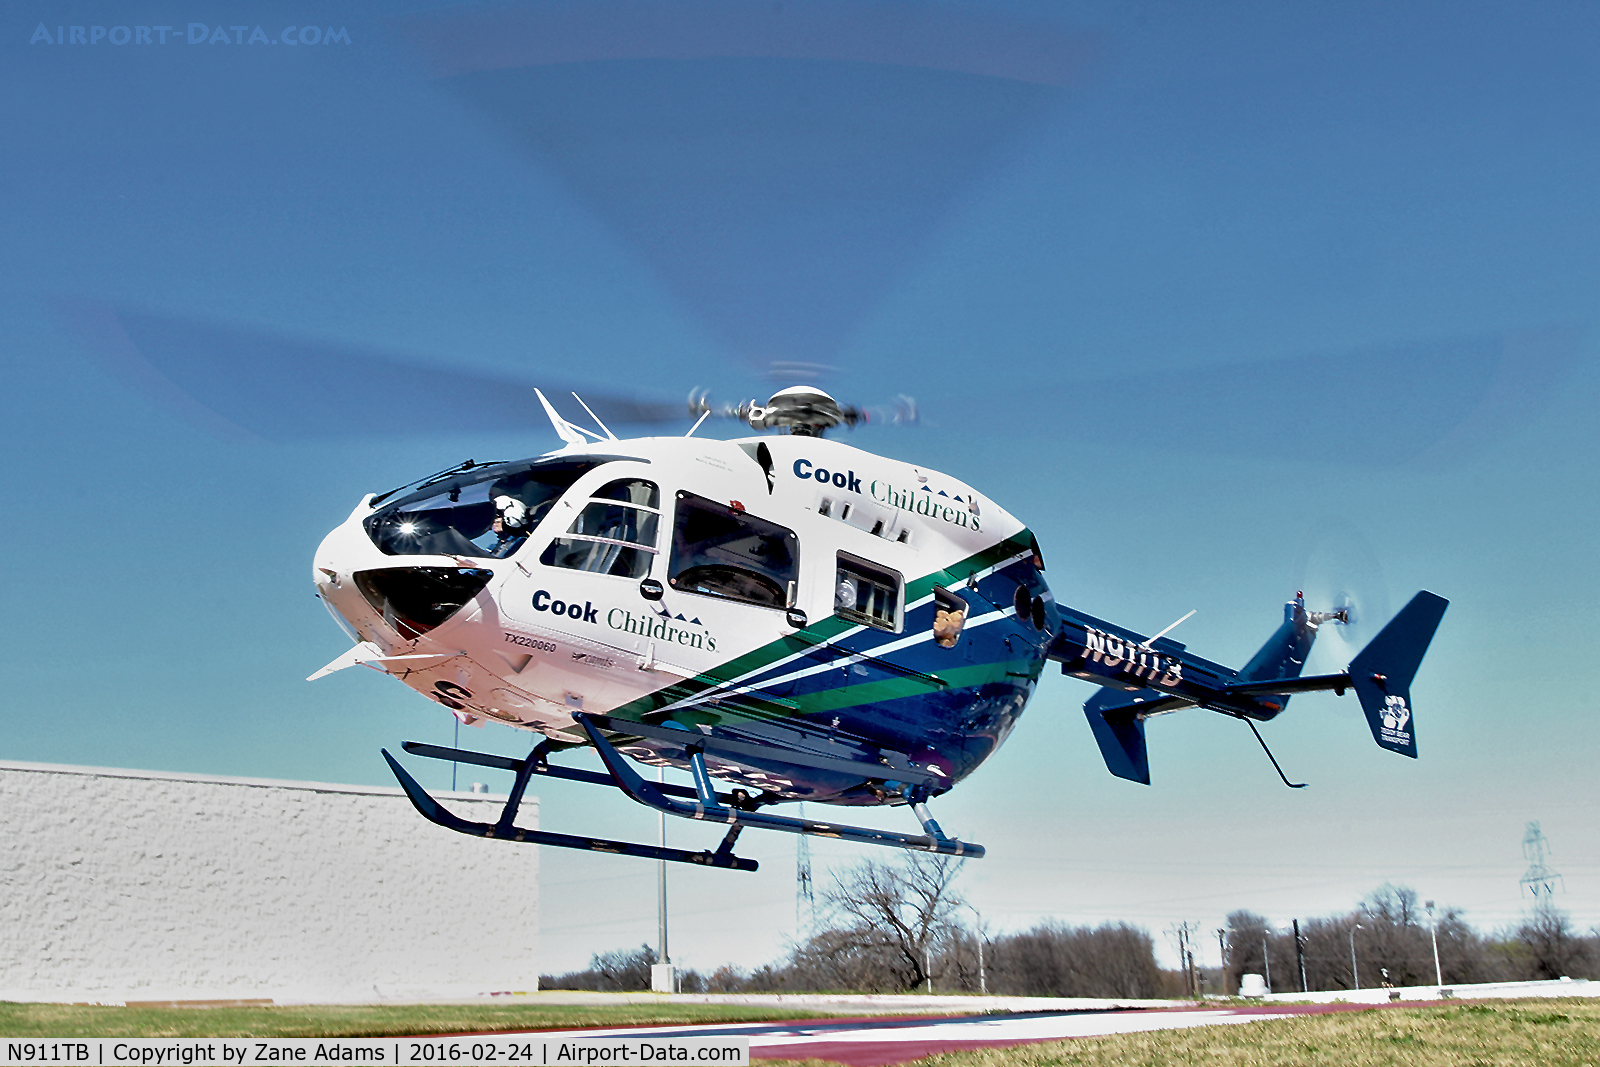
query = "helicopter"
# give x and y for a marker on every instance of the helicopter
(785, 617)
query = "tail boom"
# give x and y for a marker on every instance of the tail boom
(1141, 678)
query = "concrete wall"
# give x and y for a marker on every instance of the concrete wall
(135, 885)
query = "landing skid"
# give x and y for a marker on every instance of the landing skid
(736, 810)
(505, 830)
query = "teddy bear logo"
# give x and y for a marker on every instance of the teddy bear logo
(1395, 713)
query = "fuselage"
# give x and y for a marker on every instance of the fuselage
(794, 591)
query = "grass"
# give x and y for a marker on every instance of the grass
(68, 1020)
(1546, 1033)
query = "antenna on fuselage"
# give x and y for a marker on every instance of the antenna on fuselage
(595, 417)
(1152, 640)
(570, 432)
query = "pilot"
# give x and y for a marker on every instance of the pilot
(510, 524)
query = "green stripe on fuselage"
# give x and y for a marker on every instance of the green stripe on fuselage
(969, 677)
(824, 630)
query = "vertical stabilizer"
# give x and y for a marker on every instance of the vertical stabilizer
(1120, 734)
(1381, 673)
(1284, 654)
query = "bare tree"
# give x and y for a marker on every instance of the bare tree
(612, 972)
(1054, 960)
(1550, 948)
(1463, 955)
(895, 918)
(1393, 940)
(959, 966)
(1254, 947)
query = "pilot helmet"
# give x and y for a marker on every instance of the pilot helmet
(512, 512)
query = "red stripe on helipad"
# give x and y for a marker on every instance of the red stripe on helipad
(882, 1050)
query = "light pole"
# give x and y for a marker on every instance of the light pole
(1266, 959)
(1355, 975)
(661, 895)
(983, 976)
(662, 979)
(1433, 932)
(983, 979)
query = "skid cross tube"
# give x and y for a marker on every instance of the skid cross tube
(708, 808)
(536, 763)
(505, 830)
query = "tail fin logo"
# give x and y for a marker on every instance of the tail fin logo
(1395, 716)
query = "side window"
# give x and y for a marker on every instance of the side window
(615, 533)
(720, 551)
(866, 593)
(949, 616)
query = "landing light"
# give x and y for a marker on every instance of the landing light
(408, 528)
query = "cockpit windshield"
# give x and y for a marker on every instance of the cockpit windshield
(487, 512)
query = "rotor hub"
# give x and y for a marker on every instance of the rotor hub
(803, 410)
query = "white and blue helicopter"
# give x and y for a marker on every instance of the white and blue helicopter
(785, 617)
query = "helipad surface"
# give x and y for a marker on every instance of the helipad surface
(877, 1042)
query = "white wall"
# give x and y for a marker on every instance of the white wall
(135, 885)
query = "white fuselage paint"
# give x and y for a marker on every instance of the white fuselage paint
(539, 642)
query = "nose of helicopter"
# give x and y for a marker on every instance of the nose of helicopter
(361, 588)
(332, 575)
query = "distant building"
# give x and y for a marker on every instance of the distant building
(120, 885)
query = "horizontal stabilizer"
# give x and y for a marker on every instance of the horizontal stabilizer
(1381, 673)
(1337, 682)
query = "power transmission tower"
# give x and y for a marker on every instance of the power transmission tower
(1539, 880)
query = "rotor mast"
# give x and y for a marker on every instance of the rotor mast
(803, 410)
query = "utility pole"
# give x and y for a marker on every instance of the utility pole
(1300, 956)
(1183, 958)
(1433, 932)
(1185, 934)
(1222, 953)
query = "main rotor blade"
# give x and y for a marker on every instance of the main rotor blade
(780, 166)
(282, 388)
(1378, 407)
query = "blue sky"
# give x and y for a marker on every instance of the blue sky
(1223, 302)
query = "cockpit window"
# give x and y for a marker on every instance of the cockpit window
(721, 551)
(487, 513)
(615, 533)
